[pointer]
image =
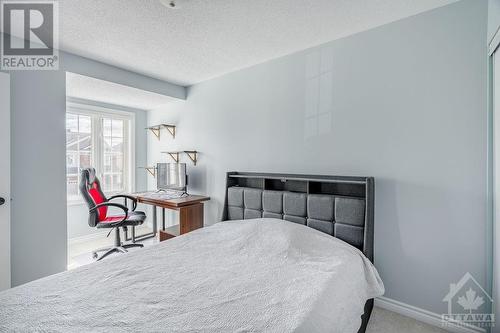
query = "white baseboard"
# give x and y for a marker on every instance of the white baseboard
(424, 316)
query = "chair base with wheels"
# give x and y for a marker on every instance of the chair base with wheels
(118, 247)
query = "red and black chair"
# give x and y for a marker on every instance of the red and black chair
(90, 188)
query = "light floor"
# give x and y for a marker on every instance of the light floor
(381, 321)
(80, 253)
(384, 321)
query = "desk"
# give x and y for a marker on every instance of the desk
(190, 210)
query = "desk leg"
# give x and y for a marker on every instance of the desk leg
(155, 226)
(191, 217)
(163, 219)
(139, 238)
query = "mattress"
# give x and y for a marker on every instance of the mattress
(260, 275)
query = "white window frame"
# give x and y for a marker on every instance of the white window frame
(97, 150)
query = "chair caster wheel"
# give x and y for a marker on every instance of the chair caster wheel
(94, 255)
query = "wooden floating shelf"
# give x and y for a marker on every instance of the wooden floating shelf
(192, 154)
(156, 129)
(151, 170)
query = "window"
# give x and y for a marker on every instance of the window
(101, 140)
(114, 152)
(78, 150)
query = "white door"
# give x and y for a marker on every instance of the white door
(4, 181)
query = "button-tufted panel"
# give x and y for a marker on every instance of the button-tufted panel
(339, 216)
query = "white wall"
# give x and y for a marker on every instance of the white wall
(38, 150)
(405, 103)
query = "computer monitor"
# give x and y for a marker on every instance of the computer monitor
(171, 176)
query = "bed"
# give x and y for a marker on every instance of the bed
(251, 274)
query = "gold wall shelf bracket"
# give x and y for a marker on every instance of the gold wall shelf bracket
(173, 154)
(171, 129)
(193, 155)
(155, 131)
(150, 170)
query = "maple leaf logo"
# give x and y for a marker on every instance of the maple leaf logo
(470, 301)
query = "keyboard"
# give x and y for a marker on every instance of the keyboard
(163, 195)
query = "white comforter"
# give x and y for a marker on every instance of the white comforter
(262, 275)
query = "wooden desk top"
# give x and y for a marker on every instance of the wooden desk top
(169, 203)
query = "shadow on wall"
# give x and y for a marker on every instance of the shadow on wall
(386, 200)
(397, 225)
(199, 182)
(197, 178)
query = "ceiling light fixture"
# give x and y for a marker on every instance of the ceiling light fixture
(172, 4)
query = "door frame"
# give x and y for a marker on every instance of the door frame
(5, 247)
(493, 191)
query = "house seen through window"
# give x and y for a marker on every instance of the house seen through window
(101, 141)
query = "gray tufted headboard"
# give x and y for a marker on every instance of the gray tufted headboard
(339, 206)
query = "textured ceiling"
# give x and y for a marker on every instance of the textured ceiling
(84, 87)
(203, 39)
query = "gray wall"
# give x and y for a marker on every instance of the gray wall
(38, 141)
(493, 17)
(38, 187)
(405, 103)
(78, 213)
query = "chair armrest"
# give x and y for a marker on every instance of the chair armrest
(134, 200)
(112, 204)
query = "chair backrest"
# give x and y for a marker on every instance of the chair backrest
(90, 187)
